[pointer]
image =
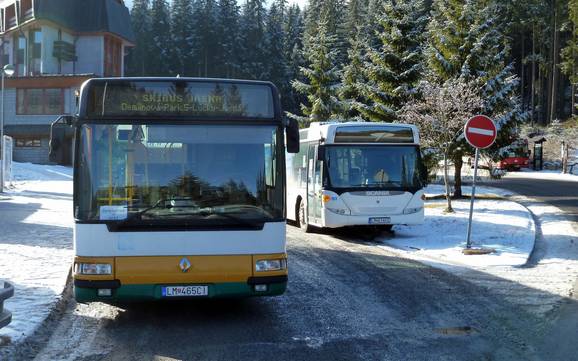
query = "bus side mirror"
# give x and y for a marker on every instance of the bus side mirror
(321, 152)
(58, 152)
(424, 175)
(292, 136)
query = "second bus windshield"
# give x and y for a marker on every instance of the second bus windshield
(373, 166)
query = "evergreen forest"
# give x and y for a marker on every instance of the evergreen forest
(366, 59)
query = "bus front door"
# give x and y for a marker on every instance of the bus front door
(314, 194)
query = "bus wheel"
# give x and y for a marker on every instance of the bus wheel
(302, 218)
(387, 228)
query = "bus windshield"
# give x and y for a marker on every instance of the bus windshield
(194, 174)
(383, 167)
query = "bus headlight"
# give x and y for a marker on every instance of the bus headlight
(93, 269)
(412, 210)
(270, 265)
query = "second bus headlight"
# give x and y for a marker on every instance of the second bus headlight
(94, 269)
(270, 265)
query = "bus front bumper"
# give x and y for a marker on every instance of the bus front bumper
(333, 220)
(88, 291)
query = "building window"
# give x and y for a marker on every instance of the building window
(28, 143)
(20, 55)
(112, 56)
(40, 101)
(35, 50)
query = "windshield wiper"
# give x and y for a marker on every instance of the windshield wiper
(221, 211)
(160, 204)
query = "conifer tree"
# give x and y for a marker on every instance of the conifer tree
(466, 41)
(395, 67)
(321, 79)
(293, 30)
(228, 22)
(137, 61)
(569, 64)
(183, 37)
(253, 40)
(161, 44)
(275, 45)
(207, 44)
(356, 17)
(352, 77)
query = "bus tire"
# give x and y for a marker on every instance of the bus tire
(301, 218)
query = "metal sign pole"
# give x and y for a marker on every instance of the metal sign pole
(468, 240)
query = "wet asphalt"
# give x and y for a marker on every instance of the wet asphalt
(347, 299)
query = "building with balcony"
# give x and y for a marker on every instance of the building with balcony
(55, 45)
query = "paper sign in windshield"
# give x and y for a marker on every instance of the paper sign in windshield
(113, 213)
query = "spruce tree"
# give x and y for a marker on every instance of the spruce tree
(293, 29)
(352, 76)
(182, 30)
(252, 30)
(569, 63)
(466, 41)
(395, 67)
(161, 45)
(333, 13)
(207, 44)
(228, 23)
(275, 46)
(321, 79)
(355, 17)
(137, 60)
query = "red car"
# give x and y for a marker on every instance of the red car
(518, 156)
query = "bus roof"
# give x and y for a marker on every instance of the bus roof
(179, 98)
(361, 133)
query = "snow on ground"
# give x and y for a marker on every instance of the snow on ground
(540, 286)
(503, 225)
(35, 243)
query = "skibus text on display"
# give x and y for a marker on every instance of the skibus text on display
(179, 188)
(356, 174)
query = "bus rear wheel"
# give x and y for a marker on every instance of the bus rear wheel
(302, 218)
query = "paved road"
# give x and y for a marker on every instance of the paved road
(346, 300)
(559, 342)
(558, 193)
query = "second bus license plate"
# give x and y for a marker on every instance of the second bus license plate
(379, 220)
(185, 291)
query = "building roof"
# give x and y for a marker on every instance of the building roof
(87, 16)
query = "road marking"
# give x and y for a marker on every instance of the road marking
(481, 131)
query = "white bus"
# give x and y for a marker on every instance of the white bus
(179, 189)
(354, 174)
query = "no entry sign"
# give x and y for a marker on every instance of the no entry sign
(480, 131)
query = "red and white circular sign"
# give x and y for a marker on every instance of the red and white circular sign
(480, 131)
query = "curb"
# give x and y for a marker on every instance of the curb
(28, 348)
(6, 292)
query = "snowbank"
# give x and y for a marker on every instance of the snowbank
(35, 243)
(503, 225)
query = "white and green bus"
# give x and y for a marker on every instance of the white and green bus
(356, 174)
(179, 189)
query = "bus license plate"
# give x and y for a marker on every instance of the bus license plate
(185, 291)
(379, 220)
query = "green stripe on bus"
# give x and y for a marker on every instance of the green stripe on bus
(151, 292)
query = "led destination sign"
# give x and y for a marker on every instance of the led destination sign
(180, 98)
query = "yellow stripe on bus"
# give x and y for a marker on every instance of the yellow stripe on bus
(168, 269)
